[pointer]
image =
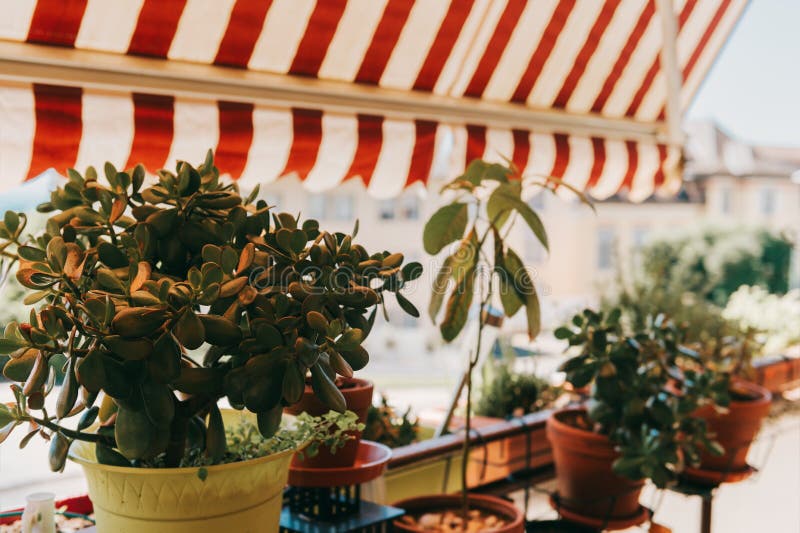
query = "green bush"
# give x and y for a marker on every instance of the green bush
(714, 262)
(505, 393)
(690, 278)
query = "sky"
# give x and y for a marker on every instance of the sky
(753, 90)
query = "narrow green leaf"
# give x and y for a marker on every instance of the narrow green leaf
(525, 288)
(458, 307)
(507, 197)
(439, 288)
(445, 226)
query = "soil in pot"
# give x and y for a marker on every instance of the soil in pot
(736, 429)
(358, 396)
(442, 513)
(586, 484)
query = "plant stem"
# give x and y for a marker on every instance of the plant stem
(71, 433)
(473, 361)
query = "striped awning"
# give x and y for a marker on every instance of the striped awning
(526, 80)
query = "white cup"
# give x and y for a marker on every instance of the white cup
(39, 514)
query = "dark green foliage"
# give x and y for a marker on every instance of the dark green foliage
(131, 277)
(714, 262)
(386, 426)
(505, 393)
(635, 400)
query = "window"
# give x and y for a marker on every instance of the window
(640, 234)
(316, 206)
(534, 251)
(605, 248)
(404, 208)
(767, 201)
(409, 207)
(343, 207)
(537, 201)
(386, 209)
(725, 200)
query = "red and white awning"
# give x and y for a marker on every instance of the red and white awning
(47, 126)
(570, 88)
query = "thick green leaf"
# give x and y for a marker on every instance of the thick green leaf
(326, 390)
(190, 330)
(406, 305)
(31, 254)
(110, 456)
(412, 271)
(59, 446)
(11, 220)
(19, 368)
(5, 415)
(68, 394)
(8, 346)
(269, 421)
(216, 443)
(445, 226)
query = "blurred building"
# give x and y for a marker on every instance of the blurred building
(727, 182)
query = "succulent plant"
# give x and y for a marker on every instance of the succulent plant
(645, 387)
(130, 277)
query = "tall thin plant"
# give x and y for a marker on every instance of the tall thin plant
(486, 203)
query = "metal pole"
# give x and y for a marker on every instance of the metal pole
(673, 76)
(705, 516)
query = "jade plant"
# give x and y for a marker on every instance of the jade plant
(486, 203)
(156, 301)
(645, 387)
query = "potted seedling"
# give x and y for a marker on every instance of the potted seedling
(487, 201)
(634, 427)
(159, 301)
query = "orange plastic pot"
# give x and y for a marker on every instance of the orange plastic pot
(736, 429)
(586, 484)
(444, 502)
(358, 396)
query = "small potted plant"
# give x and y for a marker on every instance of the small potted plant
(157, 302)
(487, 202)
(736, 424)
(388, 269)
(388, 426)
(505, 394)
(634, 427)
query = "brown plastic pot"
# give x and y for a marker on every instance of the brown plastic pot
(443, 502)
(358, 396)
(586, 484)
(736, 429)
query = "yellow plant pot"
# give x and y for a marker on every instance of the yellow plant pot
(244, 497)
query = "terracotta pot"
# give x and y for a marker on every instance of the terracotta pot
(358, 395)
(585, 482)
(736, 429)
(443, 502)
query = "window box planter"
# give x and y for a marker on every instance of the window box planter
(777, 374)
(433, 465)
